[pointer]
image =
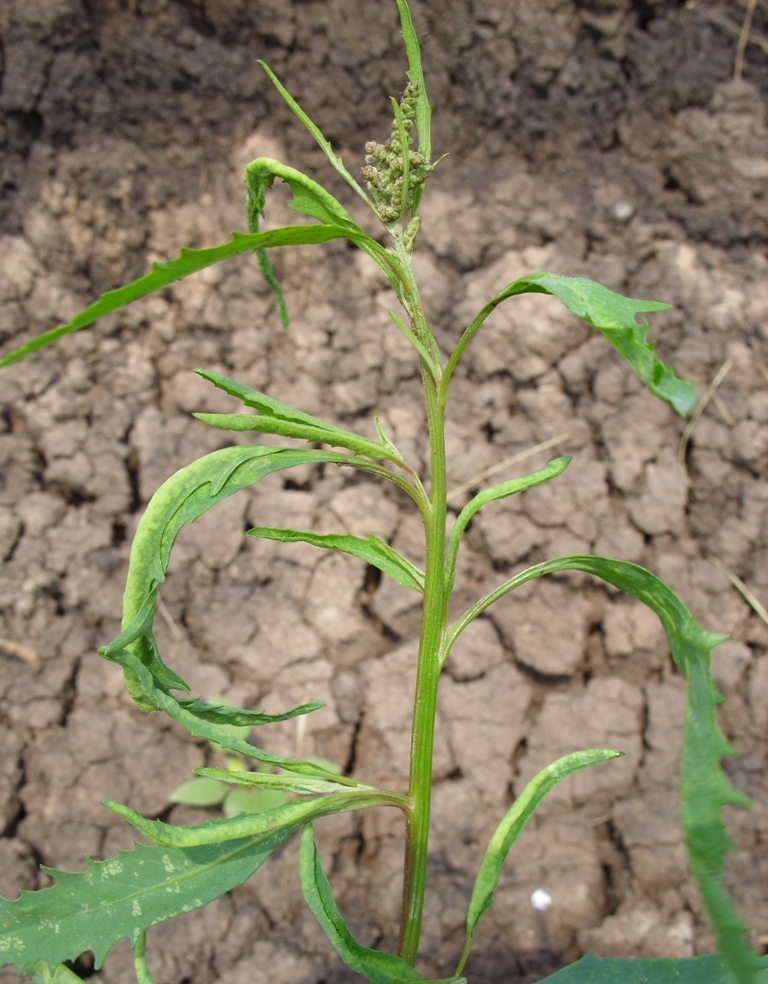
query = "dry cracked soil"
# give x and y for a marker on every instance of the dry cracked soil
(599, 138)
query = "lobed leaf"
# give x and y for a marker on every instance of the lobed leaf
(279, 418)
(119, 898)
(164, 274)
(614, 316)
(704, 788)
(593, 970)
(371, 549)
(510, 827)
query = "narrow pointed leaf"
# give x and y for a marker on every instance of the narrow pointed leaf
(299, 785)
(510, 827)
(140, 967)
(375, 966)
(119, 898)
(322, 142)
(262, 826)
(416, 74)
(237, 717)
(502, 491)
(164, 274)
(279, 418)
(593, 970)
(371, 549)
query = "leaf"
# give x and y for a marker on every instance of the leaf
(300, 785)
(613, 316)
(372, 550)
(704, 789)
(180, 500)
(510, 827)
(41, 973)
(502, 491)
(119, 898)
(239, 801)
(140, 967)
(279, 418)
(164, 274)
(593, 970)
(416, 74)
(322, 142)
(375, 966)
(236, 717)
(199, 792)
(263, 826)
(309, 197)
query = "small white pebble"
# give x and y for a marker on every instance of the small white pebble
(623, 211)
(541, 900)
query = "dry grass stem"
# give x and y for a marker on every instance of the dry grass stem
(696, 416)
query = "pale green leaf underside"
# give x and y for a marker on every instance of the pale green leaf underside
(300, 785)
(510, 827)
(593, 970)
(119, 898)
(199, 792)
(371, 549)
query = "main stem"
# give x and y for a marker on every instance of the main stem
(433, 626)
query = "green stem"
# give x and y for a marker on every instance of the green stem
(433, 626)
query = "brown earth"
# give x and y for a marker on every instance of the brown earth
(604, 138)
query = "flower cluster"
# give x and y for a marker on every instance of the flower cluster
(386, 170)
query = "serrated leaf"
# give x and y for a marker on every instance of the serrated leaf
(510, 827)
(119, 898)
(614, 316)
(704, 789)
(593, 970)
(371, 549)
(164, 274)
(199, 792)
(375, 966)
(300, 785)
(279, 418)
(288, 817)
